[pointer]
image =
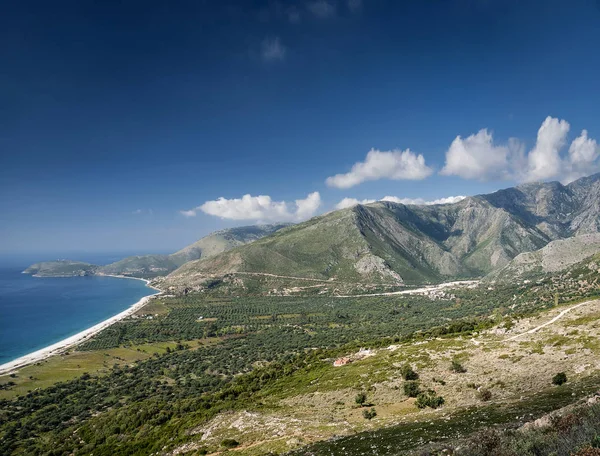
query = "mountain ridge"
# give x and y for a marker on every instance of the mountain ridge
(395, 244)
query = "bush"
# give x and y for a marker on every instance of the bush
(230, 443)
(429, 399)
(565, 423)
(408, 373)
(411, 388)
(588, 451)
(457, 367)
(559, 378)
(484, 394)
(369, 414)
(360, 399)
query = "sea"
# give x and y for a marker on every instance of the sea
(36, 312)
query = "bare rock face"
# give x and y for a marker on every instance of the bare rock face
(371, 264)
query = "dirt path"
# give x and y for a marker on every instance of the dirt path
(553, 320)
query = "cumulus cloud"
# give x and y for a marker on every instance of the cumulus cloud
(544, 159)
(259, 208)
(272, 49)
(479, 157)
(322, 9)
(350, 202)
(583, 157)
(394, 165)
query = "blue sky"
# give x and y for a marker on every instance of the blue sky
(123, 123)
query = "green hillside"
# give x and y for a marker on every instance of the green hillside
(61, 268)
(150, 266)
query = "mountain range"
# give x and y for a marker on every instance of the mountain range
(395, 244)
(381, 243)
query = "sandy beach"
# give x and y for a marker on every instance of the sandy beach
(76, 339)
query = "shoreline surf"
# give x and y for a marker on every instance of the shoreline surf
(76, 339)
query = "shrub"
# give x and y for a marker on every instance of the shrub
(457, 367)
(484, 394)
(588, 451)
(429, 399)
(369, 414)
(411, 388)
(559, 378)
(360, 399)
(408, 373)
(230, 443)
(566, 422)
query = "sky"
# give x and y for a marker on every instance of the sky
(141, 126)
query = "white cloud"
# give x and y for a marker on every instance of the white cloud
(307, 207)
(583, 157)
(544, 159)
(260, 208)
(354, 5)
(394, 165)
(272, 49)
(190, 213)
(350, 202)
(322, 9)
(478, 157)
(423, 202)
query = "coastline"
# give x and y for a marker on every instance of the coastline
(65, 344)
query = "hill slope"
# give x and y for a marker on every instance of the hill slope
(389, 243)
(148, 266)
(554, 257)
(61, 268)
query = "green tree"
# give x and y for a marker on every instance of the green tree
(369, 414)
(360, 399)
(429, 398)
(411, 388)
(559, 378)
(408, 373)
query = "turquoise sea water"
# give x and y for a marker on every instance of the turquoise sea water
(37, 312)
